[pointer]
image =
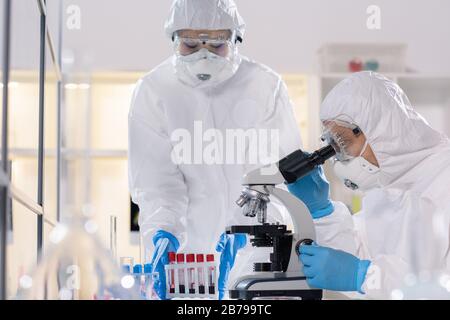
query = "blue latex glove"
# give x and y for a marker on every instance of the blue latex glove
(159, 284)
(228, 246)
(314, 191)
(331, 269)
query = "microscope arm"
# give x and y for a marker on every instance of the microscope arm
(304, 229)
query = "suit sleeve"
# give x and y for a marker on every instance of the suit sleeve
(156, 183)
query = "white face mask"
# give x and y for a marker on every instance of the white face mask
(358, 173)
(204, 68)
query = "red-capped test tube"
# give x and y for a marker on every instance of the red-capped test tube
(201, 274)
(190, 258)
(211, 275)
(171, 273)
(180, 260)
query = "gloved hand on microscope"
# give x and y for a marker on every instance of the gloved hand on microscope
(326, 268)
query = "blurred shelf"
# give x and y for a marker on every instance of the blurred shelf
(71, 153)
(335, 57)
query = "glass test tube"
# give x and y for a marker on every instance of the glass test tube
(138, 283)
(171, 273)
(180, 260)
(190, 258)
(211, 275)
(201, 280)
(126, 263)
(148, 281)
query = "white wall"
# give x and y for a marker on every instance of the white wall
(285, 34)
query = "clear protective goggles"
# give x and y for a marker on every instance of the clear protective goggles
(221, 46)
(341, 140)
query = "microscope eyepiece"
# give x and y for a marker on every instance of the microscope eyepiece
(299, 163)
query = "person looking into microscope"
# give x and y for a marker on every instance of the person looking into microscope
(389, 151)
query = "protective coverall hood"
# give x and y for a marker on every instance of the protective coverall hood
(204, 15)
(400, 137)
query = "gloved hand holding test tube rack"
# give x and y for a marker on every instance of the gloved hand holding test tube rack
(190, 276)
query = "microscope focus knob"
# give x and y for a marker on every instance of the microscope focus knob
(306, 242)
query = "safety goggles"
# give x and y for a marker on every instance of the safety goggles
(221, 46)
(339, 139)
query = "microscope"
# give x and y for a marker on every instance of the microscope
(283, 275)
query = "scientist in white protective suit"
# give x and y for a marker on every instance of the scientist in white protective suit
(186, 206)
(391, 153)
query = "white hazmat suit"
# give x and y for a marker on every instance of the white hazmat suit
(195, 202)
(403, 227)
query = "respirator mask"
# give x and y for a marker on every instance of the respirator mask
(354, 171)
(205, 61)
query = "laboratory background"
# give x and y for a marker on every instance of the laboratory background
(71, 67)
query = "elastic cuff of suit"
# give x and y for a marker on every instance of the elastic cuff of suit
(361, 276)
(329, 209)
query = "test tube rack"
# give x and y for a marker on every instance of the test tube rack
(173, 271)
